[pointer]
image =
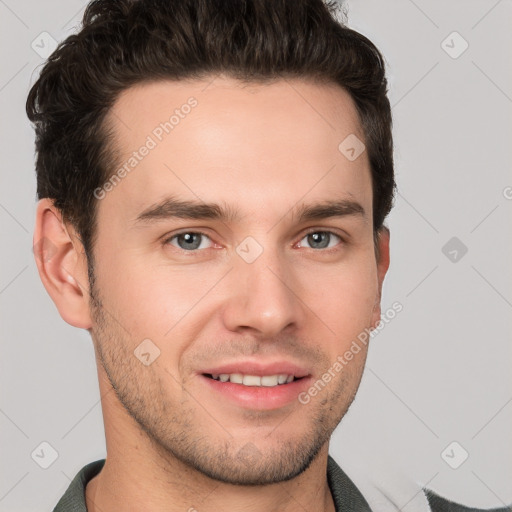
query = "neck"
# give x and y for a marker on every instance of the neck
(138, 475)
(133, 483)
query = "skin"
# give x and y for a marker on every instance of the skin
(173, 443)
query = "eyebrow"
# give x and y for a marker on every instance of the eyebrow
(173, 208)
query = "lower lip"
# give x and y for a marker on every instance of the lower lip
(259, 397)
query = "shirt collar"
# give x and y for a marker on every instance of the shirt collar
(345, 494)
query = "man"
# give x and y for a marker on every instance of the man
(213, 180)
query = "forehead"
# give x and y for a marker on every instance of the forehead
(251, 143)
(323, 106)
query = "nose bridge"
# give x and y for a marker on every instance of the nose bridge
(262, 296)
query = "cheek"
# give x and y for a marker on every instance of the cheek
(343, 298)
(345, 292)
(160, 300)
(157, 301)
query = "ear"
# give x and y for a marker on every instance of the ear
(382, 258)
(62, 265)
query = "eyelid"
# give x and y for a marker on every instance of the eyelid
(325, 230)
(334, 231)
(167, 238)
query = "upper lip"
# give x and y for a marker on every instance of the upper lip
(258, 368)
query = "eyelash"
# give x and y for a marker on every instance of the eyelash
(309, 232)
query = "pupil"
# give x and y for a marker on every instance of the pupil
(317, 238)
(191, 240)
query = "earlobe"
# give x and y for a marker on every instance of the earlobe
(62, 265)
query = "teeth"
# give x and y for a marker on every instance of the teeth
(281, 379)
(254, 380)
(269, 380)
(251, 380)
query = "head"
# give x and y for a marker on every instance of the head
(213, 181)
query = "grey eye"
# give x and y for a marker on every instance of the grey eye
(320, 239)
(189, 241)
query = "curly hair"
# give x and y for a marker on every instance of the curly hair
(125, 42)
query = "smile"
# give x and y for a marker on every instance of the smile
(254, 380)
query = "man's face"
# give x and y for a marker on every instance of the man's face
(261, 293)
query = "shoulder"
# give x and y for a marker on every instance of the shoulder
(439, 504)
(388, 491)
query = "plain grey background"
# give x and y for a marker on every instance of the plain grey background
(438, 373)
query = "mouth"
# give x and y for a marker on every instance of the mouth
(268, 381)
(256, 387)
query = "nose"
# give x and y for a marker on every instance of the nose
(263, 297)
